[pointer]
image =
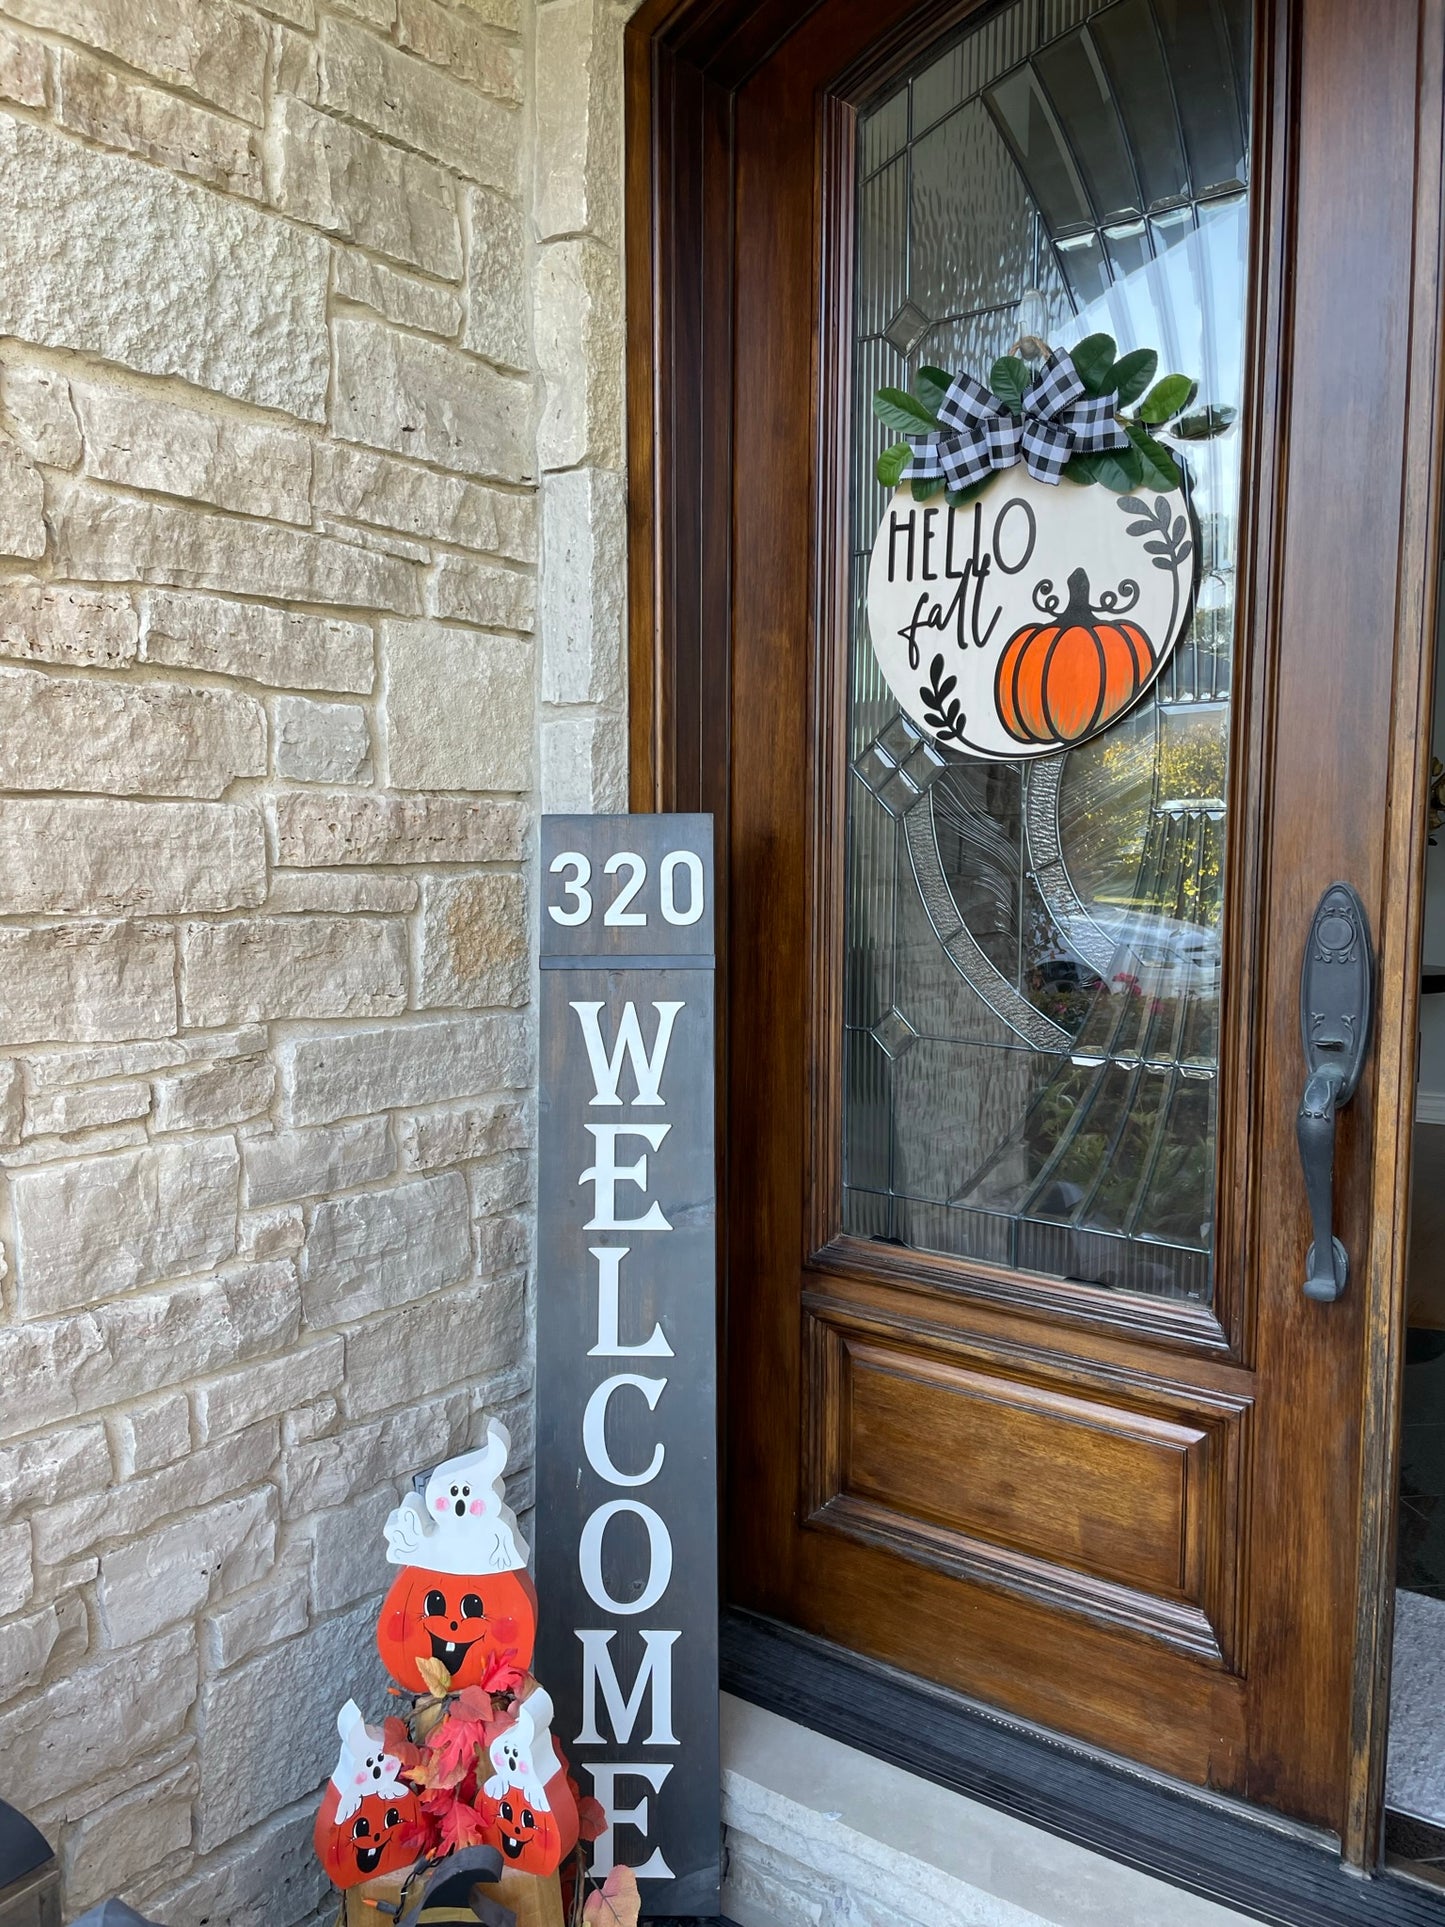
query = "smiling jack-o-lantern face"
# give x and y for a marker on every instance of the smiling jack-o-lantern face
(531, 1809)
(466, 1622)
(370, 1841)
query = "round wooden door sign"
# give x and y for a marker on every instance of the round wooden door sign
(1032, 617)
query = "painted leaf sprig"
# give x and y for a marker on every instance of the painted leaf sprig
(1153, 412)
(1169, 542)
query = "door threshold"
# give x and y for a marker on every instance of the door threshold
(1256, 1864)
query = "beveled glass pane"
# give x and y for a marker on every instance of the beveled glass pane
(1033, 951)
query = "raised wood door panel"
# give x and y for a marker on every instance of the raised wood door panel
(1134, 1520)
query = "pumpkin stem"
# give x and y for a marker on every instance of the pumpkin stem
(1079, 609)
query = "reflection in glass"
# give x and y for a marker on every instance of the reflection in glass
(1031, 1003)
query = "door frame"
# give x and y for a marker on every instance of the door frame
(684, 62)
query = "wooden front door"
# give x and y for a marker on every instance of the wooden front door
(1025, 1396)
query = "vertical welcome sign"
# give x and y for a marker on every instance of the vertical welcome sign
(626, 1339)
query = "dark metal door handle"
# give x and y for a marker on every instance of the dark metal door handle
(1336, 1000)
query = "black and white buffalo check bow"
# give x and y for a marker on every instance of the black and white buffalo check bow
(979, 433)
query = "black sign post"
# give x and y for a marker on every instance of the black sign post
(626, 1340)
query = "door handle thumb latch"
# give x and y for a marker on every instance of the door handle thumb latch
(1337, 983)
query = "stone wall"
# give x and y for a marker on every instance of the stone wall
(311, 581)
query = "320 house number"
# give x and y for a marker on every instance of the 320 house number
(679, 888)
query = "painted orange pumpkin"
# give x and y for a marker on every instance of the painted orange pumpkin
(468, 1622)
(368, 1813)
(1061, 680)
(529, 1799)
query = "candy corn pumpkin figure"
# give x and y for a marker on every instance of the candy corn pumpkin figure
(463, 1596)
(529, 1796)
(367, 1812)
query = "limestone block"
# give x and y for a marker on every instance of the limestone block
(48, 1070)
(457, 42)
(16, 1573)
(579, 342)
(22, 503)
(212, 48)
(39, 412)
(60, 1112)
(436, 1138)
(296, 13)
(315, 830)
(583, 763)
(245, 1776)
(295, 67)
(472, 1332)
(577, 159)
(209, 1096)
(146, 1437)
(502, 1245)
(272, 1875)
(329, 1471)
(309, 1164)
(362, 487)
(271, 1234)
(415, 397)
(380, 1248)
(209, 1474)
(417, 106)
(498, 285)
(170, 449)
(583, 613)
(349, 1073)
(342, 891)
(458, 709)
(29, 1644)
(496, 13)
(229, 1404)
(53, 622)
(154, 740)
(89, 856)
(102, 536)
(320, 742)
(137, 1345)
(505, 1184)
(396, 297)
(377, 13)
(36, 1471)
(157, 273)
(96, 1720)
(87, 1231)
(263, 1615)
(12, 1100)
(475, 941)
(94, 100)
(22, 68)
(86, 983)
(167, 1575)
(348, 1551)
(484, 593)
(292, 967)
(123, 1840)
(279, 647)
(335, 177)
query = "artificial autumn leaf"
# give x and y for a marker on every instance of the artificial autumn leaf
(502, 1674)
(454, 1747)
(435, 1677)
(474, 1703)
(591, 1818)
(462, 1826)
(617, 1903)
(396, 1738)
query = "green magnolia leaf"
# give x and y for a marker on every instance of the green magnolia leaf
(1132, 374)
(931, 385)
(925, 491)
(1206, 423)
(891, 464)
(1159, 468)
(1008, 379)
(1167, 398)
(1094, 363)
(1117, 470)
(1080, 471)
(959, 498)
(896, 408)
